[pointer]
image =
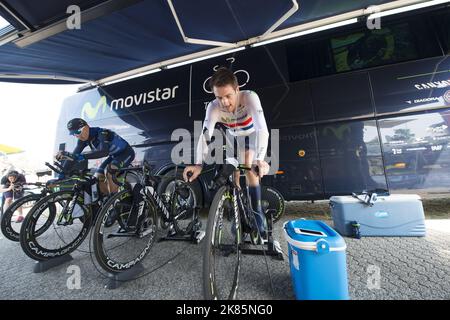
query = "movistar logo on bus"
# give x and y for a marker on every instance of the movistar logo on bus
(90, 112)
(144, 98)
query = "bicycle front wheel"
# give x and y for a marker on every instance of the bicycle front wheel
(221, 259)
(10, 227)
(50, 230)
(118, 244)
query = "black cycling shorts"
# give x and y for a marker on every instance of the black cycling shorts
(121, 160)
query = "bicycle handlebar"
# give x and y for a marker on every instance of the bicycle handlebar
(37, 184)
(57, 164)
(53, 168)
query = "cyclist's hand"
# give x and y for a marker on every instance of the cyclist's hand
(11, 187)
(59, 155)
(63, 155)
(263, 168)
(191, 173)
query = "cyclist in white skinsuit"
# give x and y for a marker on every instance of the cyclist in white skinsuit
(241, 113)
(247, 120)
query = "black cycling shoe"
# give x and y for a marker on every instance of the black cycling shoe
(261, 224)
(112, 217)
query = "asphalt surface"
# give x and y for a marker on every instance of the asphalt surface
(378, 269)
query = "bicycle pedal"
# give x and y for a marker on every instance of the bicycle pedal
(65, 223)
(171, 232)
(199, 236)
(277, 246)
(121, 235)
(146, 232)
(197, 226)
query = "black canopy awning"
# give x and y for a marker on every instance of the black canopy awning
(117, 36)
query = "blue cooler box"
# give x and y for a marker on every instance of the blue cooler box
(394, 215)
(317, 261)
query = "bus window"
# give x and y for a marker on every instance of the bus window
(308, 60)
(442, 24)
(370, 48)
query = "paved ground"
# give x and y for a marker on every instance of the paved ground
(408, 268)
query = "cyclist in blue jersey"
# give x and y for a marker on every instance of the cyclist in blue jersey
(103, 143)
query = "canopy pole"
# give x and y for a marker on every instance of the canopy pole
(102, 9)
(286, 16)
(333, 20)
(192, 40)
(19, 19)
(273, 35)
(40, 76)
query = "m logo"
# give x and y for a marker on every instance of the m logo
(90, 112)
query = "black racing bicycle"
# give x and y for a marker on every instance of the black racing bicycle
(59, 222)
(230, 232)
(9, 228)
(136, 212)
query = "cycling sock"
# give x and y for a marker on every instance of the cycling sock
(255, 196)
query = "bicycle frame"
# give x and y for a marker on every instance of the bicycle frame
(148, 181)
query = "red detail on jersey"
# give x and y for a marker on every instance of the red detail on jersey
(245, 123)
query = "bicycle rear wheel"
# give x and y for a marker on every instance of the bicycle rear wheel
(50, 231)
(183, 204)
(117, 246)
(274, 202)
(9, 227)
(221, 258)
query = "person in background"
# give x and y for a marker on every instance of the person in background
(12, 188)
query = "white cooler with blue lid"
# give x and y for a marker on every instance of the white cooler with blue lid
(395, 215)
(317, 260)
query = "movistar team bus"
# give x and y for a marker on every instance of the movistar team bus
(356, 108)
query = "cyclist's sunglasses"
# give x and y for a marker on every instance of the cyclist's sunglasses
(76, 132)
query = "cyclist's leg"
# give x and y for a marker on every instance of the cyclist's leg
(118, 162)
(8, 197)
(101, 177)
(19, 210)
(254, 187)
